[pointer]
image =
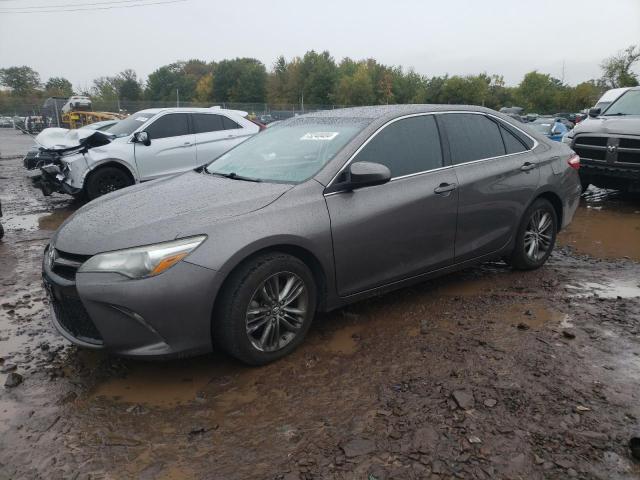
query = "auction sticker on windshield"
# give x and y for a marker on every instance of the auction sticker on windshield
(325, 136)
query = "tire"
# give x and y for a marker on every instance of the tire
(1, 231)
(244, 305)
(524, 256)
(106, 180)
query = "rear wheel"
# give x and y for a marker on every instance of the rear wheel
(536, 236)
(106, 180)
(265, 309)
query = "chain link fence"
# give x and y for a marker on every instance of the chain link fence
(35, 114)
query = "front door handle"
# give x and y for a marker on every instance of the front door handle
(445, 188)
(526, 166)
(187, 144)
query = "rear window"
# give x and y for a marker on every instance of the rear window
(206, 122)
(472, 137)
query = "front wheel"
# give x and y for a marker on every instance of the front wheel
(106, 180)
(536, 236)
(265, 309)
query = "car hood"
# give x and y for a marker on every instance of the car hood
(159, 211)
(61, 139)
(626, 125)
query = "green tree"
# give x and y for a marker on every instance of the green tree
(22, 80)
(58, 87)
(277, 82)
(128, 87)
(318, 75)
(472, 90)
(617, 71)
(240, 80)
(538, 92)
(356, 89)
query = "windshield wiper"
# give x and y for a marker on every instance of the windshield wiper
(234, 176)
(619, 114)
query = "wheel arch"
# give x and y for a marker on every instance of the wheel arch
(301, 253)
(111, 162)
(554, 199)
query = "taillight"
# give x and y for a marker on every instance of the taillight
(574, 161)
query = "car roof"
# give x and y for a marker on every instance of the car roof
(389, 112)
(154, 111)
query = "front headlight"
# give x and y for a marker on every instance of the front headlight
(140, 262)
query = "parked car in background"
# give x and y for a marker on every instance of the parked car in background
(569, 119)
(38, 157)
(551, 127)
(77, 102)
(266, 119)
(609, 97)
(609, 144)
(144, 146)
(324, 210)
(6, 122)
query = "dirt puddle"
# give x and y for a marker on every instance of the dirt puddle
(605, 232)
(166, 384)
(612, 288)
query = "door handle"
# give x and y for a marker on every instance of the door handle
(445, 188)
(187, 144)
(526, 166)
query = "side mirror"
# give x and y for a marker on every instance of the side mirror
(594, 112)
(142, 137)
(365, 174)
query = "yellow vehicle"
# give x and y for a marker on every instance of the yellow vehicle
(77, 119)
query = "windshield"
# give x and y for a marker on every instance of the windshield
(627, 104)
(130, 124)
(543, 126)
(290, 153)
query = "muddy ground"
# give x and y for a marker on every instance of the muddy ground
(486, 374)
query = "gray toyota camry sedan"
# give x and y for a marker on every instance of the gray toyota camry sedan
(323, 210)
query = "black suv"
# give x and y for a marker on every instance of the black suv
(609, 144)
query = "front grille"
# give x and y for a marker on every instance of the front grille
(66, 264)
(629, 157)
(590, 153)
(612, 150)
(73, 317)
(629, 143)
(596, 141)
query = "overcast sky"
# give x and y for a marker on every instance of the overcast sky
(508, 37)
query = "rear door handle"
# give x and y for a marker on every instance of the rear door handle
(187, 144)
(526, 166)
(445, 188)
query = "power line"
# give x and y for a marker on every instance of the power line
(69, 5)
(165, 2)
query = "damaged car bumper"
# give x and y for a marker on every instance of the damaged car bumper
(53, 180)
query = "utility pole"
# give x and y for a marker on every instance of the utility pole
(177, 97)
(302, 101)
(563, 71)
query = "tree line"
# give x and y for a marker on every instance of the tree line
(316, 78)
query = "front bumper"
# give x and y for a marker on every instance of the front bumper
(53, 180)
(164, 316)
(609, 175)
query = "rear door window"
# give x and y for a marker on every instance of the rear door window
(407, 146)
(205, 122)
(170, 125)
(472, 137)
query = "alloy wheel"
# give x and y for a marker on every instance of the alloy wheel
(277, 311)
(538, 235)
